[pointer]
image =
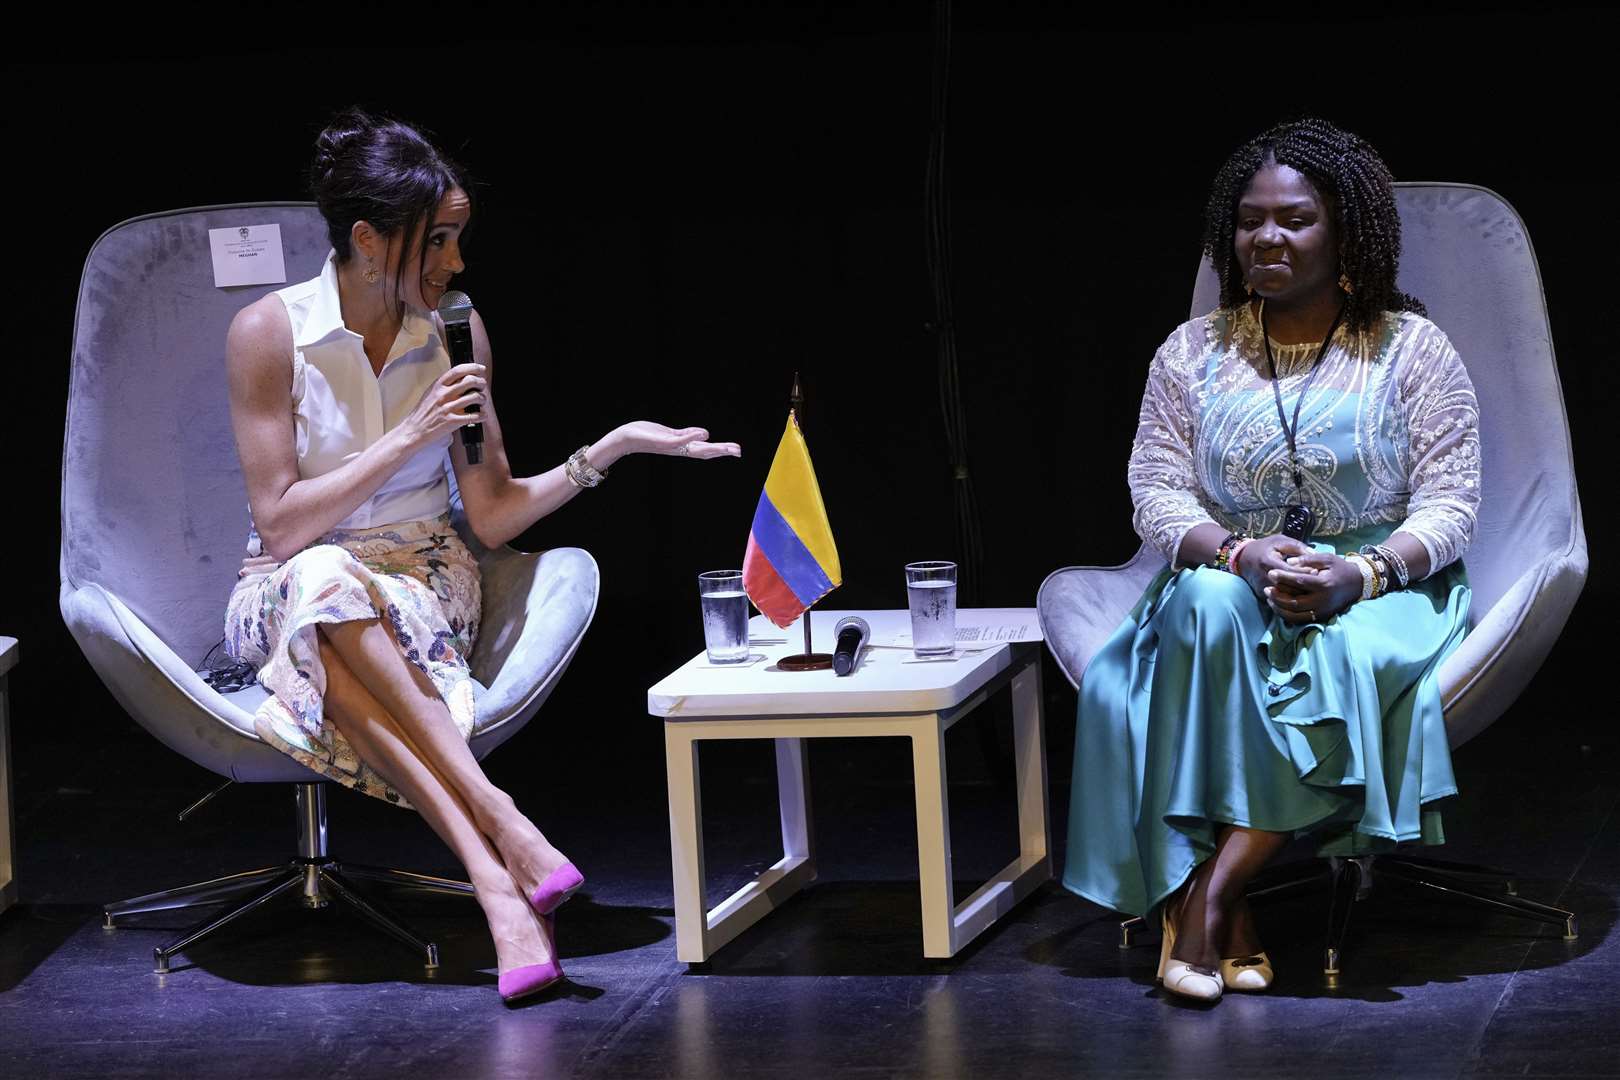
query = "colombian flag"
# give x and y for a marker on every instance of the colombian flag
(791, 561)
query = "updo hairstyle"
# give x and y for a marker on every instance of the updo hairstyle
(383, 171)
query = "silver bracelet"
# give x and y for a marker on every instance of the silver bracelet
(1393, 560)
(580, 471)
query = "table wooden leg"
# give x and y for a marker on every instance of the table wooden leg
(793, 800)
(933, 837)
(699, 932)
(686, 844)
(948, 927)
(1029, 761)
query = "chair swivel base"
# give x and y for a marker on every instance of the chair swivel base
(315, 875)
(317, 882)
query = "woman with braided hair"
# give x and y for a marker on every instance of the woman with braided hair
(1307, 462)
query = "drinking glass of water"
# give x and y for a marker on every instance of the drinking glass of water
(725, 616)
(931, 588)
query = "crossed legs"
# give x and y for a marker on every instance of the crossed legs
(395, 720)
(1211, 916)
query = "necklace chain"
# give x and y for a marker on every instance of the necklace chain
(1290, 430)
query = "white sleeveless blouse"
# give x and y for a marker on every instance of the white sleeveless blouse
(340, 406)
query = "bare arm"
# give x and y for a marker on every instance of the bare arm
(500, 506)
(290, 513)
(1200, 544)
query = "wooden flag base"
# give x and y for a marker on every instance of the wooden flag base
(816, 661)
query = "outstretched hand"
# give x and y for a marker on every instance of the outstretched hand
(648, 437)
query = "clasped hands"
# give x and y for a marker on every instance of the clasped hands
(1299, 583)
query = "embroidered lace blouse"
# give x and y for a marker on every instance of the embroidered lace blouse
(1388, 434)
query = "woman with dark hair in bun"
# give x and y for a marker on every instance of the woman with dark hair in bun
(358, 602)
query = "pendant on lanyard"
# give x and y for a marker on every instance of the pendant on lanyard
(1299, 521)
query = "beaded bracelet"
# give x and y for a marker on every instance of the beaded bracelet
(1237, 553)
(1223, 554)
(1390, 565)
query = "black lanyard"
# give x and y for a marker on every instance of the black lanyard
(1282, 417)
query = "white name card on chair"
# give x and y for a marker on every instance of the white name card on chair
(247, 255)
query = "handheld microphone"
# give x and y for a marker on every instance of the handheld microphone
(851, 632)
(456, 311)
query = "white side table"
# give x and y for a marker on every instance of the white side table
(889, 694)
(8, 823)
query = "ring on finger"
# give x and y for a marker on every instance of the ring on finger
(685, 450)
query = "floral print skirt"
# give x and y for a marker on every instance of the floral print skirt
(416, 576)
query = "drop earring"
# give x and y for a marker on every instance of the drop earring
(1346, 284)
(371, 271)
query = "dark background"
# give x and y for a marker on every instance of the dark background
(680, 209)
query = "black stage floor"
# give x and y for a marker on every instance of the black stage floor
(833, 981)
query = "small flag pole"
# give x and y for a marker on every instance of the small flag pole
(811, 660)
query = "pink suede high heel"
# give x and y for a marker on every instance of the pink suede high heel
(559, 885)
(524, 982)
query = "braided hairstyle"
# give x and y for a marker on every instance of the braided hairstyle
(385, 172)
(1355, 184)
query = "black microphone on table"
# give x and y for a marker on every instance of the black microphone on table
(456, 311)
(851, 633)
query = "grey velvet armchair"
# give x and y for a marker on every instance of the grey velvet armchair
(154, 520)
(1467, 255)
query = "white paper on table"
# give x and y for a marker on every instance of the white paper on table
(972, 636)
(247, 255)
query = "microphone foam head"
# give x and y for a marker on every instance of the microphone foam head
(455, 307)
(855, 621)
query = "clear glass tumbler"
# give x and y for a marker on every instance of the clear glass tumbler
(725, 616)
(931, 589)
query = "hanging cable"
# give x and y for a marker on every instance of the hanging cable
(937, 227)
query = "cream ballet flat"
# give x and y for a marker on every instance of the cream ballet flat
(1247, 972)
(1184, 979)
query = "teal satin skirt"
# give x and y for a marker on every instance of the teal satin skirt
(1204, 709)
